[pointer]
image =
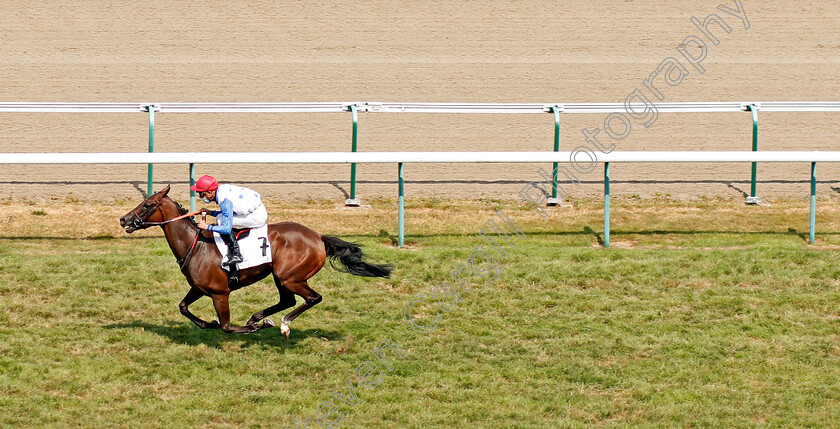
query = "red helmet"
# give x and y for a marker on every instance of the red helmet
(205, 183)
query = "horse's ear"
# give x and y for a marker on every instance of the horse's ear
(164, 191)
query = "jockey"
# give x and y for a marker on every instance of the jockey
(240, 208)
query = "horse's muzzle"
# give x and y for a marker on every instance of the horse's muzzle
(130, 225)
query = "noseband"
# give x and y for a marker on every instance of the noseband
(139, 221)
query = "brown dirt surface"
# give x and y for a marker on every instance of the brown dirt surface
(482, 51)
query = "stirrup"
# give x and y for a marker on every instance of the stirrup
(233, 277)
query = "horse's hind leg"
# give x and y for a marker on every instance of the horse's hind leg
(310, 298)
(192, 296)
(220, 302)
(287, 299)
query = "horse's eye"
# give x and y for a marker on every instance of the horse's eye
(146, 205)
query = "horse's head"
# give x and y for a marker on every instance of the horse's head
(146, 214)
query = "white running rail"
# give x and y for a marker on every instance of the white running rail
(404, 107)
(410, 157)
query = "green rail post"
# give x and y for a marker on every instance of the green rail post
(192, 183)
(401, 204)
(151, 110)
(553, 201)
(352, 201)
(813, 202)
(606, 204)
(752, 199)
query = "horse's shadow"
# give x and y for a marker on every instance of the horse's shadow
(188, 334)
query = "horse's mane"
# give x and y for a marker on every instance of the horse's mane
(182, 210)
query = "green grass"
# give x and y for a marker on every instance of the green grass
(687, 325)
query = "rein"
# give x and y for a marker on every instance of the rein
(184, 216)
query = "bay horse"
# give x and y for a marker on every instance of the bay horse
(297, 254)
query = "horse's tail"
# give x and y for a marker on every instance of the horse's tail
(350, 255)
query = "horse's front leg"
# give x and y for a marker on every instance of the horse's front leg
(220, 301)
(192, 296)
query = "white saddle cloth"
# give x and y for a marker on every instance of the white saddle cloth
(255, 248)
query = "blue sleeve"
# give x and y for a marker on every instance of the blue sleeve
(226, 225)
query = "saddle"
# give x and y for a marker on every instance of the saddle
(239, 234)
(253, 246)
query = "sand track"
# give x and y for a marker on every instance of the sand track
(407, 51)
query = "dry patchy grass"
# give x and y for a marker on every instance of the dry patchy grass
(629, 217)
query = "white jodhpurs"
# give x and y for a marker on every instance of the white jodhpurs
(255, 219)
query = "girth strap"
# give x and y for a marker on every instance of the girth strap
(183, 262)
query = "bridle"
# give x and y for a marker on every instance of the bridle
(140, 222)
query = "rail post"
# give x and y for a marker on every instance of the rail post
(811, 230)
(192, 183)
(752, 199)
(151, 109)
(352, 201)
(401, 207)
(606, 204)
(553, 201)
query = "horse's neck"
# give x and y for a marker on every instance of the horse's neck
(181, 233)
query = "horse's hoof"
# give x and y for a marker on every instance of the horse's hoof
(268, 323)
(284, 329)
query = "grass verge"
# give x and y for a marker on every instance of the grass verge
(703, 314)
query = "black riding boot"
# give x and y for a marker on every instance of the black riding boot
(234, 256)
